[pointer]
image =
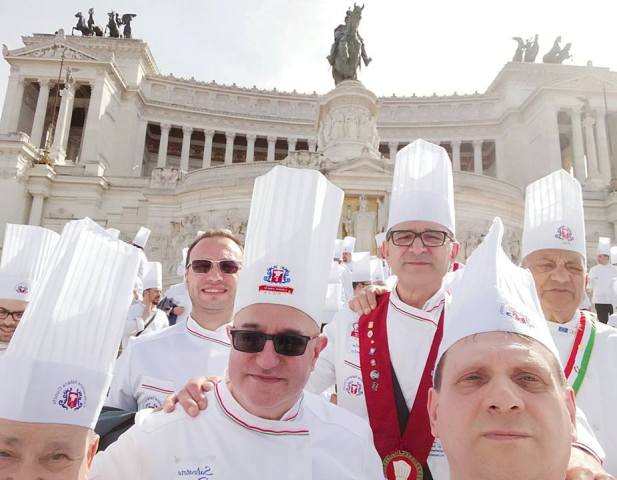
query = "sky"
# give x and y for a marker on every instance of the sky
(421, 47)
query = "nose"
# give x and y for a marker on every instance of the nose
(268, 359)
(560, 274)
(214, 275)
(417, 246)
(501, 396)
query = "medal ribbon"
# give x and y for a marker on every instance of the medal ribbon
(576, 350)
(379, 388)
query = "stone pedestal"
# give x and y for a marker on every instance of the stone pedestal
(347, 126)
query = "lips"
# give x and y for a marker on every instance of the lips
(506, 435)
(268, 379)
(214, 290)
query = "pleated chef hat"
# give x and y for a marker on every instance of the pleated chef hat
(422, 186)
(380, 238)
(604, 246)
(494, 296)
(613, 252)
(290, 236)
(338, 249)
(58, 365)
(554, 216)
(26, 254)
(141, 237)
(349, 243)
(182, 265)
(153, 275)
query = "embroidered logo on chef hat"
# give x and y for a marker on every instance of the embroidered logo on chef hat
(22, 288)
(565, 234)
(510, 312)
(71, 396)
(277, 277)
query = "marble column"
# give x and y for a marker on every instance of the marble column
(36, 210)
(63, 124)
(392, 148)
(291, 144)
(90, 145)
(186, 148)
(590, 144)
(604, 157)
(13, 100)
(271, 148)
(140, 146)
(163, 142)
(312, 144)
(578, 152)
(39, 114)
(477, 157)
(250, 147)
(229, 147)
(207, 158)
(456, 155)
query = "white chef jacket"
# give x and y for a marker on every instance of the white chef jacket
(180, 296)
(155, 366)
(135, 322)
(597, 396)
(601, 282)
(314, 440)
(3, 347)
(339, 363)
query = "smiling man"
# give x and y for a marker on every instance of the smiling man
(154, 366)
(261, 423)
(57, 368)
(500, 403)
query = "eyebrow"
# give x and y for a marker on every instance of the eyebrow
(10, 441)
(254, 326)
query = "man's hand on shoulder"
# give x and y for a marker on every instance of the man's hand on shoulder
(365, 300)
(192, 398)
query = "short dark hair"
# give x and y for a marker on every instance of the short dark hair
(213, 233)
(554, 363)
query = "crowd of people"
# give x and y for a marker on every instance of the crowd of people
(290, 356)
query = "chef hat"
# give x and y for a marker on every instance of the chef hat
(379, 239)
(182, 265)
(348, 244)
(26, 255)
(290, 236)
(604, 246)
(142, 236)
(58, 365)
(153, 275)
(494, 296)
(361, 267)
(378, 273)
(422, 186)
(338, 249)
(114, 232)
(554, 215)
(613, 252)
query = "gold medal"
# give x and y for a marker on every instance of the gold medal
(402, 465)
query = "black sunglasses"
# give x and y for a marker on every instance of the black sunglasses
(205, 265)
(252, 341)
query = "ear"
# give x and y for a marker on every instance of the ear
(92, 448)
(456, 248)
(571, 406)
(433, 405)
(321, 342)
(228, 330)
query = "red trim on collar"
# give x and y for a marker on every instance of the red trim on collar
(206, 337)
(156, 389)
(254, 427)
(417, 317)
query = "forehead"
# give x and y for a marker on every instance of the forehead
(216, 248)
(419, 226)
(497, 351)
(12, 305)
(555, 255)
(269, 318)
(36, 435)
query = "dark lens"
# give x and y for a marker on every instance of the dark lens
(433, 239)
(201, 266)
(290, 345)
(247, 341)
(229, 266)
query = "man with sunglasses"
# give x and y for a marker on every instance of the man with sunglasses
(261, 424)
(154, 366)
(26, 253)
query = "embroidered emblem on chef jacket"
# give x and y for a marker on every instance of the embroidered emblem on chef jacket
(353, 386)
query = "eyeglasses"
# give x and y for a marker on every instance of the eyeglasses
(252, 341)
(4, 314)
(429, 238)
(205, 265)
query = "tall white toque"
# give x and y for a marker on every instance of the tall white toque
(290, 237)
(554, 215)
(422, 186)
(153, 275)
(180, 269)
(604, 246)
(380, 238)
(26, 254)
(58, 365)
(494, 296)
(613, 255)
(349, 243)
(141, 237)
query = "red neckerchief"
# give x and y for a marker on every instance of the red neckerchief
(414, 446)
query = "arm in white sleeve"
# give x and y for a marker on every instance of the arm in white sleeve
(121, 392)
(121, 460)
